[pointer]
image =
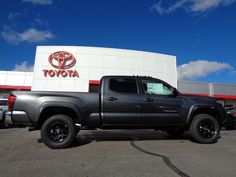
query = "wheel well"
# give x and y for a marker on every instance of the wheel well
(50, 111)
(209, 111)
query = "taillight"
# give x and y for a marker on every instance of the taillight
(11, 101)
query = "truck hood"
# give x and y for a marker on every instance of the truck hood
(201, 99)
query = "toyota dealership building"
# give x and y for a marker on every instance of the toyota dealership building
(76, 68)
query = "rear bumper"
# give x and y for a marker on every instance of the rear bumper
(20, 118)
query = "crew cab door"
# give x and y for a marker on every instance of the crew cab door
(121, 102)
(160, 106)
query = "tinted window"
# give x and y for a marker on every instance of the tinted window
(123, 85)
(3, 102)
(158, 88)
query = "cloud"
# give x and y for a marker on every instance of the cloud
(23, 67)
(194, 6)
(31, 35)
(12, 16)
(200, 68)
(39, 2)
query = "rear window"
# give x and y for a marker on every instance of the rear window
(123, 85)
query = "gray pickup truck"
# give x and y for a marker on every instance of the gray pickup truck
(123, 102)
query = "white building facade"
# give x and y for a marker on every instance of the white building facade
(15, 79)
(74, 68)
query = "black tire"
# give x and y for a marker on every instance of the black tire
(205, 129)
(58, 131)
(175, 133)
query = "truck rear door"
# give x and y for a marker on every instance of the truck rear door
(121, 101)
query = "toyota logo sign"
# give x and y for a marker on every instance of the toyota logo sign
(62, 61)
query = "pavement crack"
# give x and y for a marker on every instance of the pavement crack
(165, 159)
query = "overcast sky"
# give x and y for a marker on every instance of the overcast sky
(200, 33)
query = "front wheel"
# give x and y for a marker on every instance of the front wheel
(205, 129)
(58, 131)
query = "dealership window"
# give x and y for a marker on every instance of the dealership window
(123, 85)
(3, 102)
(157, 88)
(94, 88)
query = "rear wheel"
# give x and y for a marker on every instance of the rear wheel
(58, 131)
(205, 129)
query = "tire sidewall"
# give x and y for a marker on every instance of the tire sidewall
(194, 129)
(45, 131)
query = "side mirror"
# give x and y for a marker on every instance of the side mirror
(175, 92)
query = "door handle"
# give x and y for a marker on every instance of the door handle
(112, 99)
(148, 100)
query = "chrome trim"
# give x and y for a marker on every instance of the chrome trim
(77, 125)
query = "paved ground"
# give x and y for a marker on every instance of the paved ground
(116, 153)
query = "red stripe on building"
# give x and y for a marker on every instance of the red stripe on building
(232, 97)
(14, 87)
(94, 82)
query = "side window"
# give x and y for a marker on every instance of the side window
(123, 85)
(158, 88)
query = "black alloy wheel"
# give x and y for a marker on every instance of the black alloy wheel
(58, 131)
(205, 129)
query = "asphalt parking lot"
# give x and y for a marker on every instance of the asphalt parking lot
(118, 153)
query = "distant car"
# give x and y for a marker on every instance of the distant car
(4, 118)
(231, 120)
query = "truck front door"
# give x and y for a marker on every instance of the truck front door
(160, 106)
